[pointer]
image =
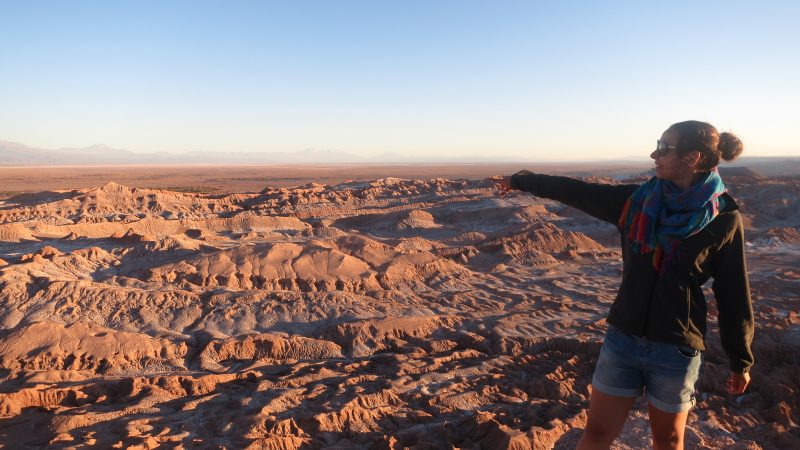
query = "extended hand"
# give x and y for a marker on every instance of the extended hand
(737, 382)
(503, 184)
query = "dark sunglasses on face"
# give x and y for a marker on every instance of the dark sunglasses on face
(662, 148)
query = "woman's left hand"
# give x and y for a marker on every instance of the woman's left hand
(737, 383)
(502, 184)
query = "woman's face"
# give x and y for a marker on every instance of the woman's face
(669, 165)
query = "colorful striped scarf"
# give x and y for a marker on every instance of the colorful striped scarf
(658, 215)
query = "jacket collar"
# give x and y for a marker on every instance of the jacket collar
(730, 203)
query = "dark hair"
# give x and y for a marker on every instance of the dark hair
(704, 138)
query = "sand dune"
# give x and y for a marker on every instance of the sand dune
(389, 313)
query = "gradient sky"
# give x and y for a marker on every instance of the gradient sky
(522, 79)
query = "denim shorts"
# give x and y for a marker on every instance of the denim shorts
(630, 366)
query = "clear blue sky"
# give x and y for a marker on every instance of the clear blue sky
(526, 79)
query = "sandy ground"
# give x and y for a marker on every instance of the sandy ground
(421, 311)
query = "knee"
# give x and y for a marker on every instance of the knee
(667, 441)
(598, 436)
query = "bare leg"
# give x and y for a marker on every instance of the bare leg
(607, 414)
(667, 428)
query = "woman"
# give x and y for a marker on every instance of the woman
(678, 229)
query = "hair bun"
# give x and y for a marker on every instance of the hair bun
(730, 146)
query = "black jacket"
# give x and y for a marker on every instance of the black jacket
(671, 307)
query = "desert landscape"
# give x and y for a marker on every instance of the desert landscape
(347, 307)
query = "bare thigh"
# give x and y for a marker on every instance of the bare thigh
(607, 415)
(668, 428)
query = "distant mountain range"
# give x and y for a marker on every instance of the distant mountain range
(16, 154)
(12, 153)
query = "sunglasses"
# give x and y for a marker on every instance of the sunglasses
(662, 148)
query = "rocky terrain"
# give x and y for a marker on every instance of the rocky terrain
(393, 313)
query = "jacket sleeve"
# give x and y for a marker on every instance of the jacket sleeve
(732, 291)
(602, 201)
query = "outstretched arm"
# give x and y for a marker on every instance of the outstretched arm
(603, 201)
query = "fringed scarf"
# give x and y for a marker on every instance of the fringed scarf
(658, 215)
